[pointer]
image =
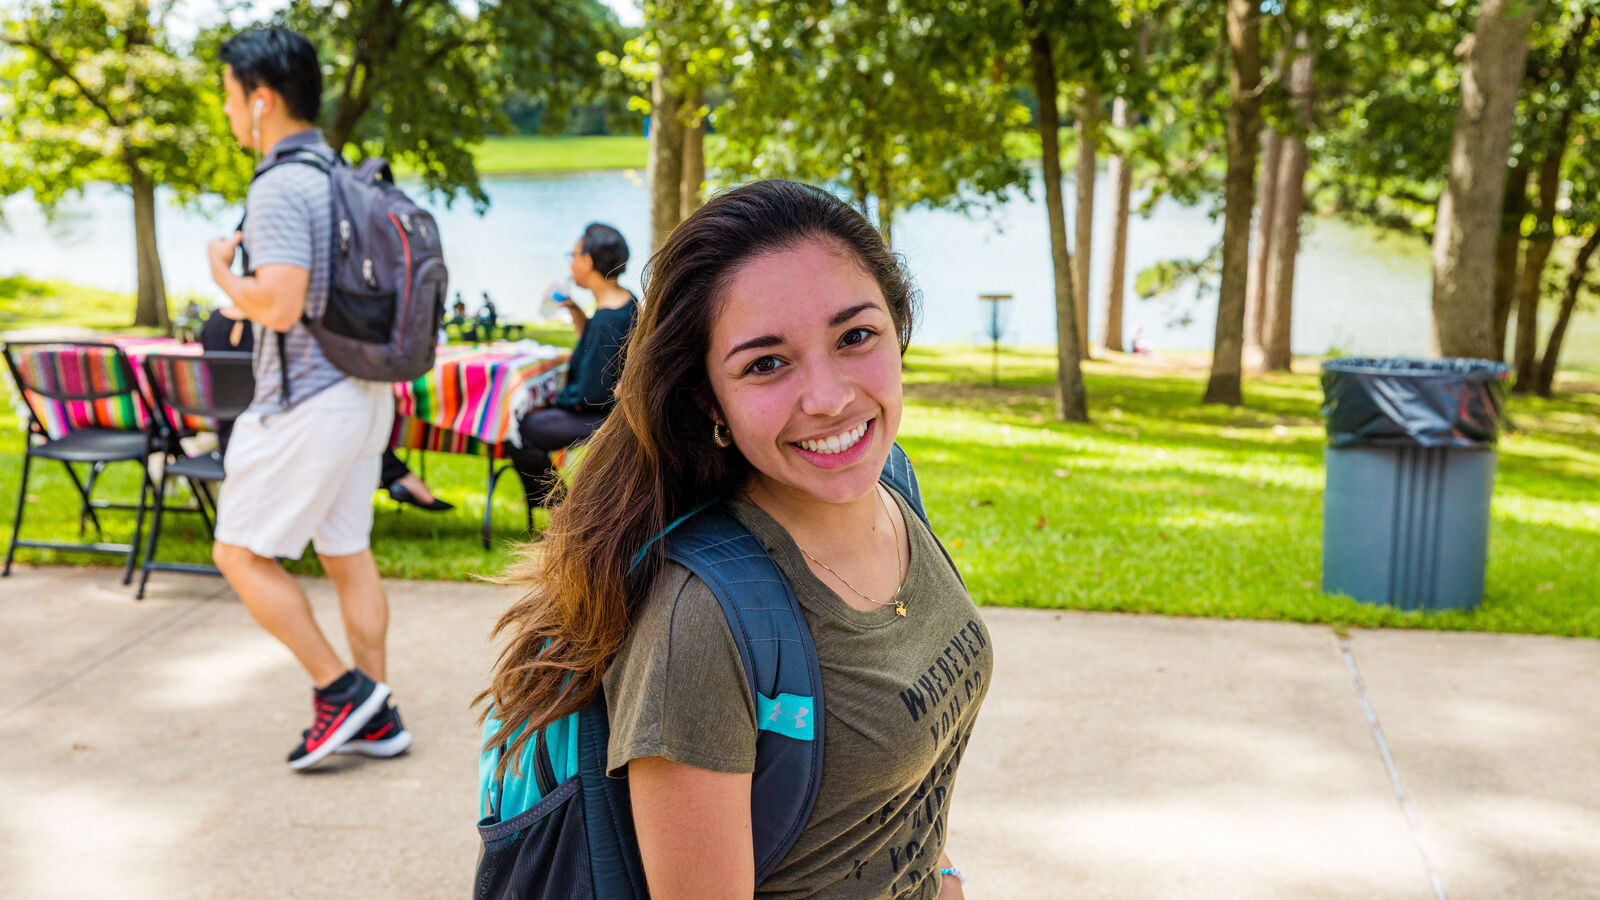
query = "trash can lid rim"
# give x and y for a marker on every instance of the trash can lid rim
(1450, 366)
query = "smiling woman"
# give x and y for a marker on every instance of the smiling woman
(761, 388)
(802, 365)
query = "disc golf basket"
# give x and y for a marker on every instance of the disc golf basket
(996, 309)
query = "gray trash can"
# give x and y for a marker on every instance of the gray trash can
(1410, 473)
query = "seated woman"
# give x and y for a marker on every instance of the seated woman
(598, 260)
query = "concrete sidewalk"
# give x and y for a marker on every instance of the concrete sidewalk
(142, 745)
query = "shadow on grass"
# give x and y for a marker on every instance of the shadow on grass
(1159, 505)
(1141, 514)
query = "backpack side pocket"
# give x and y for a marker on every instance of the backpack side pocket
(542, 852)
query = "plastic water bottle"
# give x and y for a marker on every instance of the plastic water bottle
(556, 296)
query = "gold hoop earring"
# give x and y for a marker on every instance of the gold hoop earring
(721, 436)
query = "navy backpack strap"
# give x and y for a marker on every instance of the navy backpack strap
(779, 658)
(321, 164)
(615, 866)
(897, 474)
(781, 662)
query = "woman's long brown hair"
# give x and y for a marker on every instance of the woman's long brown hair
(653, 460)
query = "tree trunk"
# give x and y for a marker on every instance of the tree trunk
(1277, 351)
(886, 212)
(1072, 403)
(1508, 252)
(347, 112)
(151, 308)
(1120, 173)
(371, 53)
(694, 159)
(1255, 308)
(1569, 302)
(1543, 238)
(1530, 280)
(665, 165)
(1239, 189)
(1086, 130)
(1466, 228)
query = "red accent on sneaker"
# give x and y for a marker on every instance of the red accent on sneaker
(321, 729)
(378, 735)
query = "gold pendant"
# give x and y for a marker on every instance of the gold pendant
(899, 608)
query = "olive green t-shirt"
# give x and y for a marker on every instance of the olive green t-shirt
(900, 695)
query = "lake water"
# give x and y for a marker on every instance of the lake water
(1357, 289)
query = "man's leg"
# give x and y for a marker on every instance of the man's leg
(284, 478)
(343, 539)
(365, 609)
(275, 599)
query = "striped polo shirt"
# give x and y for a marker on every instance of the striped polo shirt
(289, 221)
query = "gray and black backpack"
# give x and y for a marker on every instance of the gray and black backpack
(387, 282)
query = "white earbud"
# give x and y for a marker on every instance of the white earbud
(255, 127)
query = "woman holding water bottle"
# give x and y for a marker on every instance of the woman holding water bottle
(598, 260)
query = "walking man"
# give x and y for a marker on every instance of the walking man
(303, 459)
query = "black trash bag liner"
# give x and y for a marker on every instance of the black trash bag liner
(1414, 402)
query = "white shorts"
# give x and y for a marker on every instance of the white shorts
(307, 474)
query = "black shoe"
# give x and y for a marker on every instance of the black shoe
(342, 709)
(399, 494)
(384, 736)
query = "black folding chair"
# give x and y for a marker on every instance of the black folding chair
(72, 373)
(192, 394)
(498, 466)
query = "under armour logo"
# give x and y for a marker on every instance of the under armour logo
(799, 717)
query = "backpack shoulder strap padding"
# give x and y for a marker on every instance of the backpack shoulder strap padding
(897, 474)
(322, 164)
(614, 859)
(374, 168)
(780, 662)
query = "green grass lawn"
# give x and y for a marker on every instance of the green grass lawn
(29, 303)
(1158, 506)
(1164, 506)
(528, 154)
(517, 155)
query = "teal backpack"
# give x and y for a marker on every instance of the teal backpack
(557, 826)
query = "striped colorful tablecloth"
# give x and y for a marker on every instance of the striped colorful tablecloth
(95, 367)
(473, 399)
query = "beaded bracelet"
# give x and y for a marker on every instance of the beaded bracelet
(956, 872)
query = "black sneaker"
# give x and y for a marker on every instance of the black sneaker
(342, 708)
(384, 736)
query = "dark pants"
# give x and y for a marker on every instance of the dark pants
(543, 432)
(393, 469)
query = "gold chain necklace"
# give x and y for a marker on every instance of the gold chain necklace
(899, 605)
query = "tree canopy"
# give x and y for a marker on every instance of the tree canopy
(900, 104)
(96, 90)
(423, 81)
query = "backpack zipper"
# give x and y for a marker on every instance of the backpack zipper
(405, 306)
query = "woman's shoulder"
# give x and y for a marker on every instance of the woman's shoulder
(678, 618)
(678, 607)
